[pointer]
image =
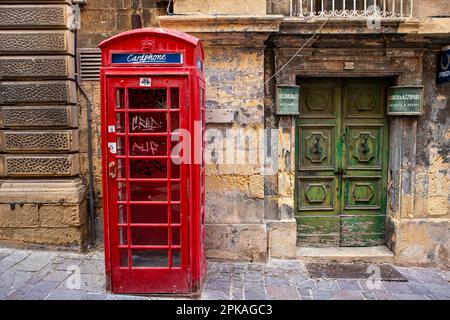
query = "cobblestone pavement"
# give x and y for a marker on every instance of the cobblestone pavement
(37, 275)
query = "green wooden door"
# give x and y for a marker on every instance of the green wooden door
(342, 144)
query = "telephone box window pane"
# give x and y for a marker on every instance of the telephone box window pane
(174, 170)
(121, 191)
(123, 236)
(149, 122)
(150, 258)
(120, 122)
(148, 146)
(122, 213)
(120, 98)
(175, 191)
(174, 121)
(175, 213)
(148, 169)
(176, 258)
(120, 146)
(149, 236)
(176, 236)
(155, 213)
(174, 98)
(123, 257)
(147, 98)
(121, 169)
(146, 191)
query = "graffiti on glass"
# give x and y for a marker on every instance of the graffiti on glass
(149, 167)
(139, 123)
(145, 147)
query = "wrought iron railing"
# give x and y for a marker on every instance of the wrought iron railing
(384, 9)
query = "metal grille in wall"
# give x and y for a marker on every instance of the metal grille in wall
(90, 62)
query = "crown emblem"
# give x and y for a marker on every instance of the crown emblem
(147, 44)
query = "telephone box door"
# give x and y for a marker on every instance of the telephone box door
(147, 186)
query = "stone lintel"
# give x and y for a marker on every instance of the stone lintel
(419, 27)
(256, 7)
(430, 26)
(293, 25)
(41, 191)
(239, 30)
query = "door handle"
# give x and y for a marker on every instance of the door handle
(112, 169)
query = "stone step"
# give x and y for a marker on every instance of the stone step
(379, 254)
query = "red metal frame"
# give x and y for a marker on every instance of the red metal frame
(126, 238)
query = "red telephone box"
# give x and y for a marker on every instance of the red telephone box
(153, 120)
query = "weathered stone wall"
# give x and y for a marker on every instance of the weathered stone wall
(431, 8)
(420, 218)
(235, 194)
(234, 70)
(101, 19)
(38, 126)
(238, 7)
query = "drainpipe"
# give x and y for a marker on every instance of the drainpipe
(91, 199)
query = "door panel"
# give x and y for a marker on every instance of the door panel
(317, 184)
(318, 144)
(148, 212)
(364, 147)
(341, 161)
(317, 194)
(364, 178)
(362, 193)
(363, 99)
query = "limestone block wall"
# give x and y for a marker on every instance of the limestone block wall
(236, 222)
(101, 19)
(420, 215)
(41, 194)
(239, 7)
(235, 191)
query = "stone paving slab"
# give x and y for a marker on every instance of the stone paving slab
(36, 261)
(45, 275)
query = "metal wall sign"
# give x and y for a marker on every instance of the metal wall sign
(147, 58)
(443, 69)
(405, 100)
(287, 100)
